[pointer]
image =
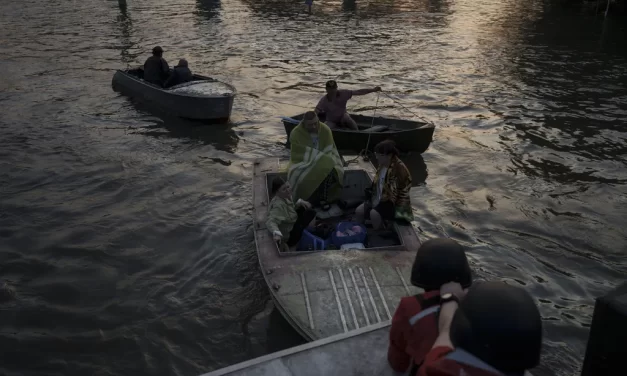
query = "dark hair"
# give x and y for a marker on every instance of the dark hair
(309, 115)
(331, 84)
(386, 147)
(157, 51)
(277, 183)
(439, 261)
(501, 325)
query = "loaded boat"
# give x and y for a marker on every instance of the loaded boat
(204, 98)
(409, 136)
(327, 292)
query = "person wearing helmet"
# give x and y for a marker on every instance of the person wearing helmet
(415, 324)
(495, 330)
(333, 105)
(156, 69)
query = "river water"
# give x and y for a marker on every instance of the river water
(126, 235)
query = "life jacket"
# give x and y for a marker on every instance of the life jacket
(414, 330)
(429, 307)
(461, 362)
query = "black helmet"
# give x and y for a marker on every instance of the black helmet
(439, 261)
(500, 324)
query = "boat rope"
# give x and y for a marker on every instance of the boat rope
(372, 123)
(407, 109)
(364, 152)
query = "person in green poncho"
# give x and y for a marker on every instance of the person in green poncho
(316, 172)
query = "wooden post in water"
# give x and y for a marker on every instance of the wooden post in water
(607, 344)
(607, 9)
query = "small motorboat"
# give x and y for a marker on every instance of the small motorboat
(409, 136)
(204, 98)
(327, 292)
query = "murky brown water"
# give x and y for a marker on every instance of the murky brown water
(127, 237)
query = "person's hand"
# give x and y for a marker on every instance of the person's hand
(303, 203)
(277, 236)
(452, 288)
(376, 89)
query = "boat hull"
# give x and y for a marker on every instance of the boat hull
(216, 109)
(324, 293)
(409, 136)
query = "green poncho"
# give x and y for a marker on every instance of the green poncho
(310, 165)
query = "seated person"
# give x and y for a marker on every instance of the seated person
(415, 322)
(156, 69)
(333, 105)
(495, 330)
(316, 172)
(285, 221)
(180, 74)
(390, 189)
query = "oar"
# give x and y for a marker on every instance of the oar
(289, 120)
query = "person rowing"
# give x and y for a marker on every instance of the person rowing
(333, 105)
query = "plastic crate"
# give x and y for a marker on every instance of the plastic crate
(311, 242)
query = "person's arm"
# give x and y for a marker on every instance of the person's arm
(366, 91)
(321, 106)
(275, 216)
(447, 311)
(397, 357)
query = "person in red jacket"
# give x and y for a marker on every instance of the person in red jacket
(415, 324)
(496, 331)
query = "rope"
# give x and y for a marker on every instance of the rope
(407, 109)
(364, 152)
(372, 123)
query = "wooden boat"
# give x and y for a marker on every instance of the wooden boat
(323, 293)
(204, 98)
(408, 135)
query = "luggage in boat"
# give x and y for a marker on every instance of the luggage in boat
(342, 232)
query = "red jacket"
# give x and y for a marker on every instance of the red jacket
(414, 330)
(444, 361)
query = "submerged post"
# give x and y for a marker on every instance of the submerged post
(607, 344)
(607, 9)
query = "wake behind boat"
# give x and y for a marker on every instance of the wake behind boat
(204, 98)
(409, 136)
(323, 293)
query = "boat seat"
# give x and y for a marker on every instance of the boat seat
(377, 128)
